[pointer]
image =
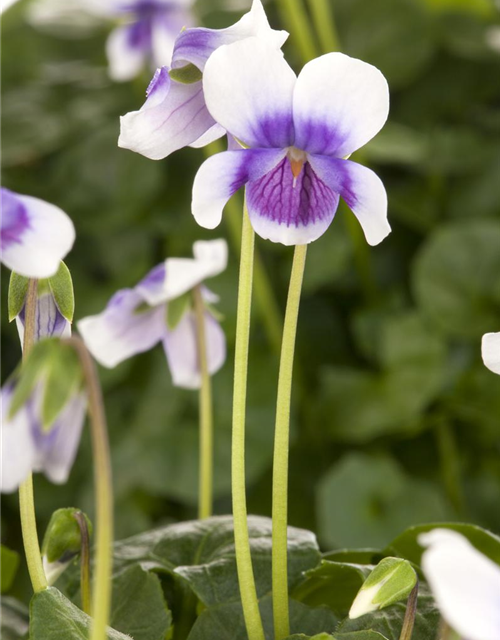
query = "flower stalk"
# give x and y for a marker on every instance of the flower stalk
(246, 579)
(324, 24)
(296, 21)
(84, 561)
(26, 496)
(409, 619)
(205, 492)
(103, 493)
(281, 447)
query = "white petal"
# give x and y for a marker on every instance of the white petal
(35, 235)
(362, 190)
(248, 89)
(120, 331)
(465, 584)
(55, 569)
(222, 175)
(490, 349)
(125, 60)
(49, 321)
(214, 133)
(339, 104)
(165, 30)
(181, 349)
(17, 447)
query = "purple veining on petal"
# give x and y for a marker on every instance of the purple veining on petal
(49, 321)
(276, 198)
(14, 220)
(195, 46)
(317, 137)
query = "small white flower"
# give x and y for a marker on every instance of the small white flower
(490, 349)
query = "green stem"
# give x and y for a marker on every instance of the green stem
(206, 413)
(296, 21)
(84, 561)
(101, 603)
(323, 20)
(246, 579)
(450, 463)
(281, 446)
(410, 613)
(26, 497)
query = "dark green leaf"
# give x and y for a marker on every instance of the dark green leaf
(356, 635)
(9, 563)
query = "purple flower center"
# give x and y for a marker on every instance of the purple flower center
(15, 219)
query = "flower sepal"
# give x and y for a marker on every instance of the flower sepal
(18, 288)
(392, 580)
(188, 74)
(61, 287)
(176, 309)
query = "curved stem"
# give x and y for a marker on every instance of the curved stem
(296, 21)
(246, 579)
(26, 497)
(205, 493)
(281, 446)
(322, 15)
(84, 561)
(409, 619)
(103, 493)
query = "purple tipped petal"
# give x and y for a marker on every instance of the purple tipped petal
(362, 190)
(49, 321)
(123, 329)
(152, 286)
(290, 211)
(173, 116)
(35, 235)
(222, 175)
(181, 349)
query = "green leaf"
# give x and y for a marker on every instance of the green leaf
(356, 635)
(14, 619)
(177, 308)
(9, 563)
(62, 536)
(54, 617)
(406, 545)
(138, 605)
(18, 288)
(376, 500)
(225, 622)
(61, 286)
(455, 279)
(389, 621)
(188, 74)
(28, 374)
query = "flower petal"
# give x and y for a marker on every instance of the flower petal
(290, 210)
(490, 349)
(181, 349)
(464, 582)
(195, 46)
(214, 133)
(56, 451)
(166, 27)
(49, 321)
(17, 450)
(35, 235)
(222, 175)
(362, 190)
(173, 116)
(152, 287)
(248, 89)
(122, 329)
(127, 49)
(339, 104)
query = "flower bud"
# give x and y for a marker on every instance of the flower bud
(391, 580)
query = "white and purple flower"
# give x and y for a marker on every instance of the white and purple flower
(175, 114)
(297, 132)
(137, 319)
(28, 447)
(490, 349)
(34, 235)
(464, 582)
(148, 38)
(49, 321)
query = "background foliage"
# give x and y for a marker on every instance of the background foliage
(395, 419)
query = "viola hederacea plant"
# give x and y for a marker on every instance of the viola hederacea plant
(293, 144)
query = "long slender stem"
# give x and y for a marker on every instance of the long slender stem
(26, 497)
(322, 15)
(246, 579)
(103, 493)
(205, 493)
(281, 445)
(84, 561)
(296, 21)
(409, 619)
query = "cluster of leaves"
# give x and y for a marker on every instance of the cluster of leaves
(395, 418)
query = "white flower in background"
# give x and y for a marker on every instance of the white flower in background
(159, 309)
(34, 235)
(175, 114)
(465, 584)
(490, 349)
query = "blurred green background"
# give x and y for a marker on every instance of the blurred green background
(395, 419)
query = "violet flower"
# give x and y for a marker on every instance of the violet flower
(135, 320)
(297, 132)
